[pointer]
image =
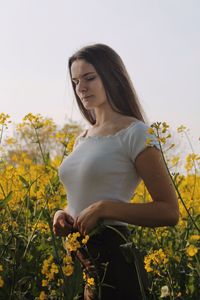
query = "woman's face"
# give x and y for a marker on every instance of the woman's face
(88, 85)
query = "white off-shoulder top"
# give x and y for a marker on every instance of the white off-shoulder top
(102, 167)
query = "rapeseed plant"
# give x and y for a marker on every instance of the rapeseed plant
(35, 264)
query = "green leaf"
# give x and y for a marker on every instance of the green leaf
(24, 181)
(5, 201)
(74, 282)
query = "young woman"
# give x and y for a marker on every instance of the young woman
(107, 163)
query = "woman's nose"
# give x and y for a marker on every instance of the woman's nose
(81, 87)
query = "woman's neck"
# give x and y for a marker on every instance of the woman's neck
(106, 117)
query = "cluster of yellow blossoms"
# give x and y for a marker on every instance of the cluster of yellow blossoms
(4, 119)
(88, 280)
(49, 269)
(68, 265)
(160, 130)
(191, 161)
(156, 261)
(37, 121)
(72, 244)
(192, 248)
(41, 226)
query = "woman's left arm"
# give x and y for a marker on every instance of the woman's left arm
(162, 211)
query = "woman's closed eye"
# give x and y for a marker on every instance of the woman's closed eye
(76, 82)
(90, 78)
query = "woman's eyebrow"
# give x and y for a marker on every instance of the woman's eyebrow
(84, 75)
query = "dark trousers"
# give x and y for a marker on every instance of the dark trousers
(121, 275)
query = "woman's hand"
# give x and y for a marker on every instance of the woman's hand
(88, 218)
(62, 223)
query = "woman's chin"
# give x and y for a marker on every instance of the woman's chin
(88, 107)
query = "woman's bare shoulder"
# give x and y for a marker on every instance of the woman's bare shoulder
(82, 134)
(126, 121)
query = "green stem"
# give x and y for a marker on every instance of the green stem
(31, 236)
(38, 141)
(56, 253)
(7, 206)
(198, 264)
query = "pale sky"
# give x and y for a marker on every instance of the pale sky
(158, 40)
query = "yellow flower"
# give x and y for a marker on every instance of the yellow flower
(4, 119)
(42, 296)
(46, 265)
(70, 144)
(49, 268)
(150, 130)
(175, 160)
(42, 226)
(181, 128)
(194, 237)
(1, 268)
(147, 266)
(84, 276)
(1, 282)
(10, 141)
(162, 140)
(155, 260)
(37, 121)
(67, 259)
(71, 243)
(148, 141)
(68, 270)
(90, 281)
(54, 268)
(165, 125)
(44, 282)
(191, 250)
(85, 240)
(191, 160)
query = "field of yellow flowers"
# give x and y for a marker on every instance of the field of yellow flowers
(34, 264)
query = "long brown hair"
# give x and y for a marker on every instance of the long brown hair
(119, 89)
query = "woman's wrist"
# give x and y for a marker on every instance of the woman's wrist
(104, 209)
(110, 209)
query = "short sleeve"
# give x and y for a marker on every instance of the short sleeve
(139, 137)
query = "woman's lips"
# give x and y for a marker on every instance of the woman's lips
(85, 98)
